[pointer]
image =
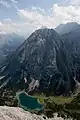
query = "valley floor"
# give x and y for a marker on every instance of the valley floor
(56, 99)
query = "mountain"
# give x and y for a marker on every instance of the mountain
(72, 45)
(40, 58)
(45, 62)
(8, 44)
(59, 28)
(66, 28)
(71, 38)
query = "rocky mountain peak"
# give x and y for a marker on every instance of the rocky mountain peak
(41, 57)
(66, 28)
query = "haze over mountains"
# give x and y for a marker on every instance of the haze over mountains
(8, 44)
(46, 56)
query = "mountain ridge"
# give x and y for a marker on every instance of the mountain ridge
(66, 28)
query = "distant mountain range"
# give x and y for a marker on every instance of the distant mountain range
(47, 57)
(8, 44)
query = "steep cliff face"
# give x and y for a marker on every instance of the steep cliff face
(72, 45)
(41, 57)
(70, 34)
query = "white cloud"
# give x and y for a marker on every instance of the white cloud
(8, 3)
(34, 18)
(74, 2)
(7, 26)
(7, 20)
(57, 14)
(63, 14)
(14, 1)
(4, 3)
(1, 24)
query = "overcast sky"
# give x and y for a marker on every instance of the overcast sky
(25, 16)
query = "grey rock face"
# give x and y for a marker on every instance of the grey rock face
(11, 113)
(70, 34)
(43, 57)
(72, 46)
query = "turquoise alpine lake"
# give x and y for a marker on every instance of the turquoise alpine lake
(28, 102)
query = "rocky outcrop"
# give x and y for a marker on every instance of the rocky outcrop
(11, 113)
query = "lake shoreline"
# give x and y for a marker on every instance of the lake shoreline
(26, 108)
